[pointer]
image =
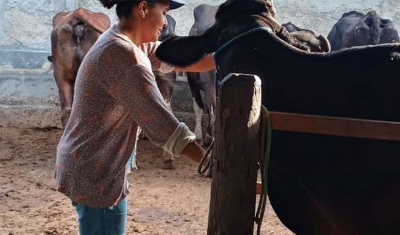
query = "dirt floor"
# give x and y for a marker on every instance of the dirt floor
(161, 202)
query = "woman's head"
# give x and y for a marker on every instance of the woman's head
(143, 17)
(123, 6)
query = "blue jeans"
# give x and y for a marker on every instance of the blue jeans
(131, 165)
(102, 221)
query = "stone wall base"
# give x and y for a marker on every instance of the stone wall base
(26, 116)
(33, 116)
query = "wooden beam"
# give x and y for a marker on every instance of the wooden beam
(349, 127)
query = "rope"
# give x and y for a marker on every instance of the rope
(202, 169)
(265, 148)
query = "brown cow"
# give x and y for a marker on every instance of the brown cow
(73, 35)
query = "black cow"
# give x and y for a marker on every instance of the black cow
(317, 183)
(356, 29)
(204, 17)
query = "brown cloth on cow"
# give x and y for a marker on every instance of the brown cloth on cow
(115, 92)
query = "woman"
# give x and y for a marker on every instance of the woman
(115, 93)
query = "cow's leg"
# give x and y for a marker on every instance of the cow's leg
(198, 114)
(65, 82)
(198, 106)
(211, 121)
(67, 92)
(208, 82)
(211, 130)
(168, 159)
(207, 79)
(132, 162)
(168, 103)
(165, 83)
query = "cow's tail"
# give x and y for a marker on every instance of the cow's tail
(373, 22)
(79, 34)
(79, 31)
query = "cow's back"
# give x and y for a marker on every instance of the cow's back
(358, 29)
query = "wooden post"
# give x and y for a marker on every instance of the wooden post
(233, 194)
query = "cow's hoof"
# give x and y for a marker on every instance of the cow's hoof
(168, 164)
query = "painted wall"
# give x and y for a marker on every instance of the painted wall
(26, 24)
(26, 78)
(321, 15)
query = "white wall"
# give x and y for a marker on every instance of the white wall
(28, 94)
(26, 24)
(321, 15)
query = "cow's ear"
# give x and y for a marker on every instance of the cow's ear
(313, 42)
(185, 51)
(335, 38)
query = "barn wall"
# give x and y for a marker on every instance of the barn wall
(26, 79)
(321, 15)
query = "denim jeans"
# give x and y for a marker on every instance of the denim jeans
(102, 221)
(131, 165)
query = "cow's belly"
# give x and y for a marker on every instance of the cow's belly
(334, 185)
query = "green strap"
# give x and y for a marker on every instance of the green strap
(202, 169)
(265, 145)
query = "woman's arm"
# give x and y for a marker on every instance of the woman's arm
(194, 152)
(203, 65)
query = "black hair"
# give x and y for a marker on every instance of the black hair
(124, 7)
